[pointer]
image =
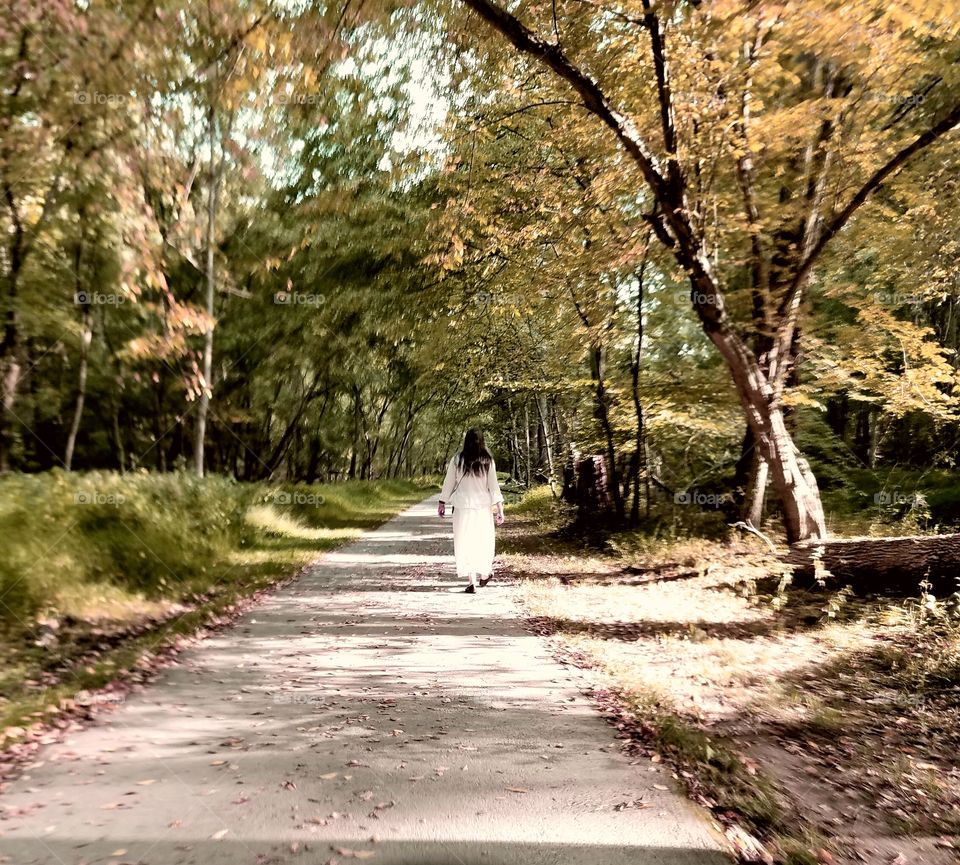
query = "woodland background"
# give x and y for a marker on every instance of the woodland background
(305, 242)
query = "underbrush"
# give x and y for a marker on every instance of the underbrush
(74, 542)
(539, 500)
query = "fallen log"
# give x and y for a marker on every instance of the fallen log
(882, 564)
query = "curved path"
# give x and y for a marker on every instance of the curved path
(369, 711)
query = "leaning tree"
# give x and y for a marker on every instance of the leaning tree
(758, 131)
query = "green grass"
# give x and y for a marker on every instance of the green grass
(537, 501)
(891, 501)
(98, 569)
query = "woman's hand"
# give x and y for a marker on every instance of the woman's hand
(442, 510)
(500, 516)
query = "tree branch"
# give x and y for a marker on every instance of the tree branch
(589, 90)
(669, 193)
(664, 96)
(616, 13)
(746, 178)
(891, 167)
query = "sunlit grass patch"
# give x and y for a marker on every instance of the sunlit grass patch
(538, 500)
(268, 519)
(106, 602)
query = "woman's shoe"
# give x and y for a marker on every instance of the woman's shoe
(485, 580)
(471, 589)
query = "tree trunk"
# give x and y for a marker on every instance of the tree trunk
(373, 441)
(11, 366)
(563, 437)
(160, 427)
(592, 488)
(639, 465)
(873, 437)
(86, 337)
(792, 477)
(600, 394)
(313, 460)
(543, 409)
(396, 459)
(118, 440)
(838, 408)
(356, 433)
(526, 431)
(10, 370)
(756, 491)
(213, 195)
(789, 472)
(514, 444)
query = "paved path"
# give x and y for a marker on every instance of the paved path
(370, 711)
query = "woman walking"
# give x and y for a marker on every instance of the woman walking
(472, 491)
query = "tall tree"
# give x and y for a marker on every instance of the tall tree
(704, 61)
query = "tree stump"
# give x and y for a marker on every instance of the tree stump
(884, 564)
(593, 490)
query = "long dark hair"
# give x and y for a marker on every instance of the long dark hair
(474, 458)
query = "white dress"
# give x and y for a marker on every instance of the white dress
(473, 497)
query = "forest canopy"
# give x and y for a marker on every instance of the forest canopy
(711, 245)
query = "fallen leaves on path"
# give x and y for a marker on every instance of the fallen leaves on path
(380, 806)
(353, 854)
(636, 803)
